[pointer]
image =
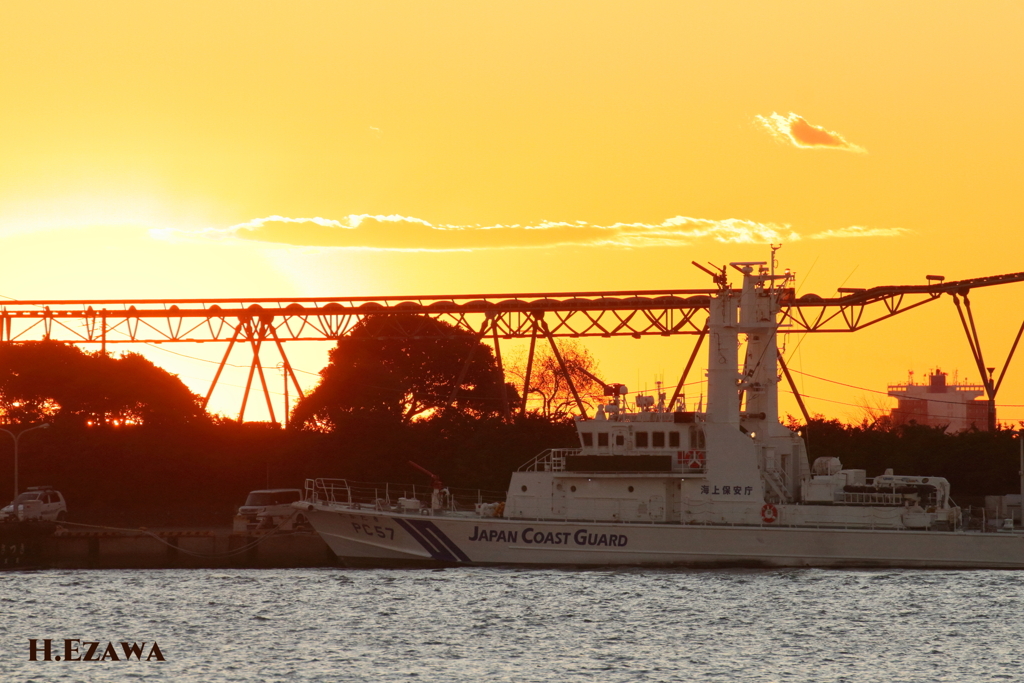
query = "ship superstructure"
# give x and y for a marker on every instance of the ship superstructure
(954, 406)
(727, 465)
(649, 484)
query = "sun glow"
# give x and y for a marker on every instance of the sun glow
(181, 150)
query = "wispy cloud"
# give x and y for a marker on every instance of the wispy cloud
(858, 231)
(794, 130)
(402, 233)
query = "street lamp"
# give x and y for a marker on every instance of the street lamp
(1020, 438)
(283, 367)
(17, 438)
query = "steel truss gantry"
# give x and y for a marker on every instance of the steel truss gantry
(257, 322)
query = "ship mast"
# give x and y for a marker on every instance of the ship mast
(759, 308)
(723, 352)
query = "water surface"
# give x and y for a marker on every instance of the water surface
(485, 624)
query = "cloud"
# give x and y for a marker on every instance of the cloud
(858, 231)
(402, 233)
(793, 129)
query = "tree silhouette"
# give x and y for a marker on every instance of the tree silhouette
(59, 382)
(401, 368)
(549, 387)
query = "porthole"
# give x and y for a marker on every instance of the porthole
(524, 488)
(631, 489)
(573, 489)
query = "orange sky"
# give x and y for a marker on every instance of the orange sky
(173, 149)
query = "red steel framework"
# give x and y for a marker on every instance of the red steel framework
(634, 313)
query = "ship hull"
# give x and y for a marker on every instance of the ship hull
(365, 537)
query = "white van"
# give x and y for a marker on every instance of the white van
(269, 509)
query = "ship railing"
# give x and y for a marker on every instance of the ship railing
(328, 491)
(551, 460)
(645, 416)
(888, 499)
(392, 497)
(904, 388)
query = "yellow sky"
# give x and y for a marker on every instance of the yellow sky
(146, 147)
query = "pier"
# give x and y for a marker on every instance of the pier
(43, 545)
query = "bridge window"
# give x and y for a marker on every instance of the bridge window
(673, 439)
(588, 439)
(641, 439)
(602, 438)
(658, 439)
(697, 438)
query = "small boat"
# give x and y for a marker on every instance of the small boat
(649, 485)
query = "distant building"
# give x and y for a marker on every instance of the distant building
(939, 404)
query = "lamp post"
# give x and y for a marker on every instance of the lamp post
(1020, 438)
(283, 367)
(17, 438)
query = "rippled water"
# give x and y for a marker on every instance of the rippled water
(477, 624)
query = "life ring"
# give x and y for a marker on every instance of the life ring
(769, 513)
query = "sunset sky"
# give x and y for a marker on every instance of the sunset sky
(270, 149)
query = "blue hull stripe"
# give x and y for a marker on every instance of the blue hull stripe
(433, 540)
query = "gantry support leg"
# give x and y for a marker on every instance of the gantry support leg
(975, 343)
(501, 370)
(469, 359)
(255, 332)
(792, 387)
(289, 373)
(253, 336)
(529, 364)
(799, 402)
(1009, 356)
(256, 341)
(223, 363)
(565, 369)
(689, 364)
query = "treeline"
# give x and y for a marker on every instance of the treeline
(198, 475)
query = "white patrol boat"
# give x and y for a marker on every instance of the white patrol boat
(723, 487)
